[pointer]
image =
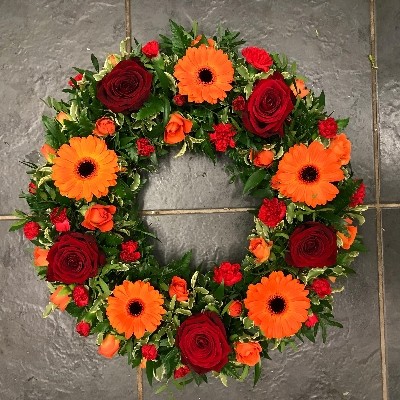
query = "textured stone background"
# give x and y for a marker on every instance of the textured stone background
(42, 40)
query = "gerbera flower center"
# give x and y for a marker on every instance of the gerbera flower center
(135, 307)
(309, 174)
(277, 305)
(86, 168)
(206, 76)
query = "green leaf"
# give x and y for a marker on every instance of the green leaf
(257, 373)
(219, 293)
(150, 371)
(164, 81)
(95, 62)
(254, 180)
(180, 39)
(152, 107)
(54, 136)
(17, 225)
(342, 123)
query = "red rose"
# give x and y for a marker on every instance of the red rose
(31, 230)
(151, 49)
(83, 328)
(258, 58)
(81, 296)
(74, 258)
(202, 342)
(144, 148)
(58, 218)
(32, 188)
(358, 196)
(129, 253)
(311, 245)
(126, 87)
(272, 212)
(149, 352)
(328, 128)
(222, 137)
(311, 321)
(239, 103)
(181, 372)
(77, 78)
(268, 106)
(180, 100)
(322, 287)
(227, 272)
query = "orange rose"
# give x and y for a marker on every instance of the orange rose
(248, 353)
(262, 158)
(260, 249)
(341, 146)
(299, 88)
(48, 153)
(104, 126)
(198, 38)
(235, 309)
(178, 287)
(61, 116)
(100, 217)
(352, 231)
(176, 129)
(40, 257)
(109, 346)
(61, 297)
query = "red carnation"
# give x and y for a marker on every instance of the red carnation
(128, 252)
(358, 196)
(32, 188)
(149, 352)
(81, 296)
(58, 218)
(311, 320)
(31, 230)
(322, 287)
(239, 103)
(144, 148)
(151, 49)
(258, 58)
(180, 99)
(83, 328)
(222, 137)
(77, 78)
(228, 273)
(328, 128)
(272, 212)
(181, 372)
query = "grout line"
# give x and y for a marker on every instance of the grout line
(379, 206)
(224, 210)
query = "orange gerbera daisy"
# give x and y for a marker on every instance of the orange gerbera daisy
(85, 168)
(135, 308)
(305, 174)
(278, 305)
(204, 74)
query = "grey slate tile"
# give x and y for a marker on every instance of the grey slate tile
(388, 36)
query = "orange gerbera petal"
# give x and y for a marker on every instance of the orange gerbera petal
(278, 305)
(204, 74)
(85, 168)
(305, 174)
(135, 308)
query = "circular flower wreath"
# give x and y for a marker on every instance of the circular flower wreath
(95, 252)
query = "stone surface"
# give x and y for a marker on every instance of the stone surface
(388, 35)
(391, 226)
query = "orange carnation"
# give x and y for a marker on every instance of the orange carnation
(104, 126)
(61, 297)
(178, 287)
(341, 146)
(40, 257)
(248, 353)
(260, 249)
(210, 41)
(262, 158)
(48, 153)
(61, 116)
(176, 128)
(299, 88)
(235, 309)
(109, 346)
(352, 231)
(100, 217)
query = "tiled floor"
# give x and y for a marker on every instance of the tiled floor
(40, 42)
